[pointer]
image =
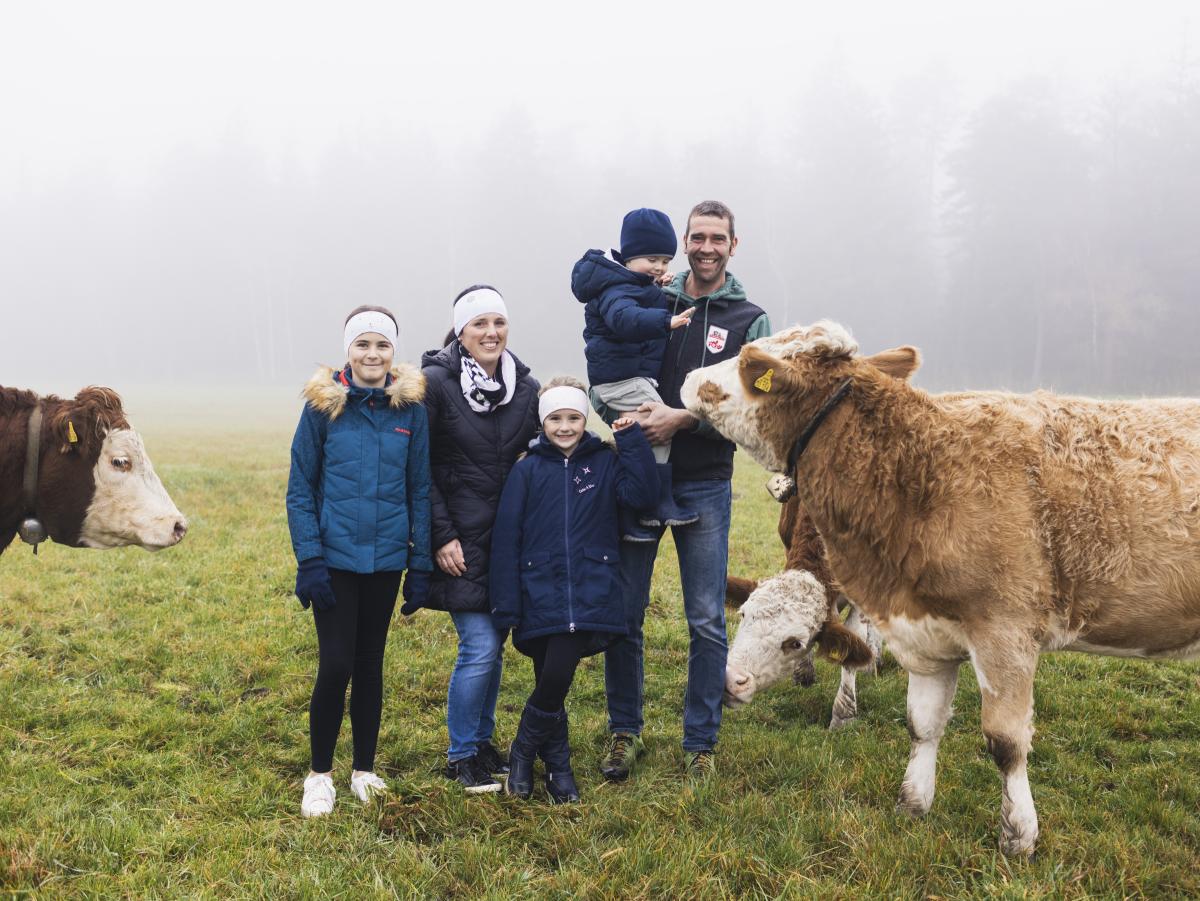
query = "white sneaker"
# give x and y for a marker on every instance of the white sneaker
(367, 785)
(318, 796)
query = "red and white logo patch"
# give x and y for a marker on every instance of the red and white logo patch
(716, 338)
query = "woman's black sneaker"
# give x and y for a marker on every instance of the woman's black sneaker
(473, 777)
(492, 760)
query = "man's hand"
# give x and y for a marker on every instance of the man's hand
(450, 558)
(660, 422)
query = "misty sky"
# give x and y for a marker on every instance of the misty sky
(197, 193)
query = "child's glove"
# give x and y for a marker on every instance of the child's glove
(416, 591)
(313, 585)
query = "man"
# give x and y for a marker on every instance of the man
(703, 465)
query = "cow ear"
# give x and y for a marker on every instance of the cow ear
(737, 591)
(843, 647)
(899, 362)
(762, 373)
(69, 431)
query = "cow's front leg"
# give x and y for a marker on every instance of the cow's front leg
(1005, 680)
(845, 705)
(930, 697)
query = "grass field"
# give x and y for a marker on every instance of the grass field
(153, 735)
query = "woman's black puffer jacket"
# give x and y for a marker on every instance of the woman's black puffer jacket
(470, 455)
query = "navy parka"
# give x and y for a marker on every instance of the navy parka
(555, 560)
(626, 320)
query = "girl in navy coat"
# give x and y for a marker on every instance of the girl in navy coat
(555, 579)
(358, 511)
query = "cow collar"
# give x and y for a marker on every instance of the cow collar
(811, 429)
(31, 530)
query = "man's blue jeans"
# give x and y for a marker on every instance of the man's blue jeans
(474, 684)
(703, 549)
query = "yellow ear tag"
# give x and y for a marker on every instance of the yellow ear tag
(71, 436)
(763, 382)
(837, 655)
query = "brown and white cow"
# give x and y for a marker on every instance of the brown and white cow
(768, 642)
(782, 619)
(981, 526)
(804, 551)
(95, 485)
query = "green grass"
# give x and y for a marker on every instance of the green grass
(153, 735)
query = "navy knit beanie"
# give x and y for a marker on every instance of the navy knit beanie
(647, 233)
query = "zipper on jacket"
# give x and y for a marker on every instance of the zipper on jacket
(567, 538)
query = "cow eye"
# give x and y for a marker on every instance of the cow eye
(122, 464)
(792, 644)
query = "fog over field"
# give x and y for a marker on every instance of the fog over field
(193, 197)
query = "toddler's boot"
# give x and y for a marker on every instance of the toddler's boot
(668, 513)
(632, 528)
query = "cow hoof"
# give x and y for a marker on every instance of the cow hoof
(1019, 846)
(912, 802)
(1017, 843)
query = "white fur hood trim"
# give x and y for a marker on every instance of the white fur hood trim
(326, 395)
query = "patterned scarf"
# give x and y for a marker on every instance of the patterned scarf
(484, 393)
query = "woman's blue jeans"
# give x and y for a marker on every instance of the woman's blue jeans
(474, 684)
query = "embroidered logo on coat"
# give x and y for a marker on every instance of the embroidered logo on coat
(403, 431)
(716, 338)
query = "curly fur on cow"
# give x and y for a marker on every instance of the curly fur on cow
(981, 526)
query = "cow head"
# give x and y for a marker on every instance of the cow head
(96, 485)
(763, 398)
(784, 617)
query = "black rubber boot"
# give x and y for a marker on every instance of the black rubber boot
(668, 513)
(556, 754)
(536, 725)
(632, 529)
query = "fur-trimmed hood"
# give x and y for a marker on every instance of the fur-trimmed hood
(327, 390)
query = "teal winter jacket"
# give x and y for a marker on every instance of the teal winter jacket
(358, 491)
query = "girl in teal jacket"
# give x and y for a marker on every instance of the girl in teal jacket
(358, 512)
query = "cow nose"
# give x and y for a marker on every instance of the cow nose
(180, 530)
(741, 679)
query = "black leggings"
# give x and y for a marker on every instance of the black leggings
(350, 639)
(554, 660)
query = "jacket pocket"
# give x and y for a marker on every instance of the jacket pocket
(537, 575)
(600, 577)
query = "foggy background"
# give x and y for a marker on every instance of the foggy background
(196, 195)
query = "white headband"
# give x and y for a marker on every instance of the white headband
(369, 321)
(562, 397)
(476, 303)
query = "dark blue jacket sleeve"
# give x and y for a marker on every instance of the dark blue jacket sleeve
(637, 474)
(304, 485)
(504, 579)
(419, 481)
(631, 322)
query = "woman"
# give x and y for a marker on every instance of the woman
(358, 512)
(482, 404)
